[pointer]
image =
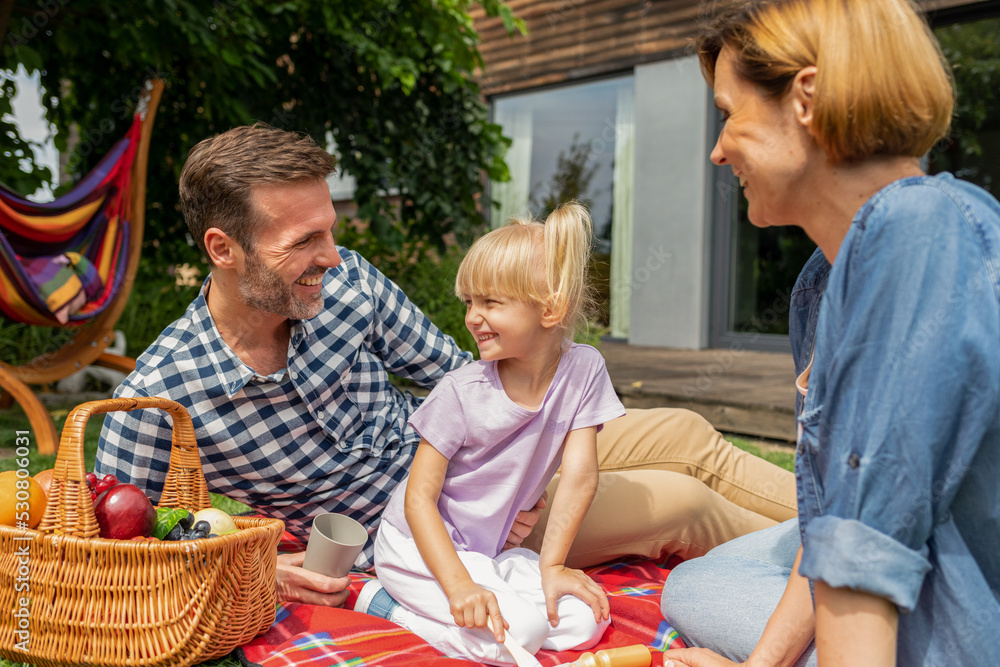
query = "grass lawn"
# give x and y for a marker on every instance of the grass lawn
(14, 420)
(782, 455)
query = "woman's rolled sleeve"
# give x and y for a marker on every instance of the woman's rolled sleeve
(846, 553)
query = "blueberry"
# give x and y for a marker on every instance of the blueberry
(174, 534)
(202, 527)
(187, 521)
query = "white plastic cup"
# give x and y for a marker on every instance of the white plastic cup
(335, 542)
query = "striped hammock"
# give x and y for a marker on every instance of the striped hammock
(62, 262)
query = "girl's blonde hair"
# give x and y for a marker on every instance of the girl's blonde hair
(883, 86)
(545, 264)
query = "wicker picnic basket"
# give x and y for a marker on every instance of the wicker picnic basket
(96, 601)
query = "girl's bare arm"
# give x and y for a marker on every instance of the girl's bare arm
(577, 486)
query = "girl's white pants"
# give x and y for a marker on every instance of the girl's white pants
(516, 580)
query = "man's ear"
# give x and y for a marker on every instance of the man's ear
(222, 250)
(804, 95)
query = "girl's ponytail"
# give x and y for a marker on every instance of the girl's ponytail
(568, 233)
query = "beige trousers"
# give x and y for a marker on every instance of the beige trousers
(671, 484)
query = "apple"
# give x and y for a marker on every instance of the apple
(44, 479)
(219, 522)
(124, 512)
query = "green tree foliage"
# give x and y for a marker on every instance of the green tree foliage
(391, 81)
(973, 51)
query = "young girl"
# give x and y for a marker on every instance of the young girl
(493, 434)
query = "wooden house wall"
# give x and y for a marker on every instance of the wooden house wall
(579, 39)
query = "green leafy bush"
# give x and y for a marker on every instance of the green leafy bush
(426, 275)
(154, 304)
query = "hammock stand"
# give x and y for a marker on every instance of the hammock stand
(88, 346)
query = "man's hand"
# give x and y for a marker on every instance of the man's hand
(524, 523)
(559, 580)
(472, 605)
(296, 584)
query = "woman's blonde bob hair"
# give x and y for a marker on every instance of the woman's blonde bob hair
(883, 86)
(545, 264)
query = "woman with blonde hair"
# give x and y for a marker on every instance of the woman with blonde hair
(829, 106)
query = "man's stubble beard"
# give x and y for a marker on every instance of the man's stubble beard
(263, 289)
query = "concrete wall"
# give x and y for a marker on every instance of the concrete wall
(671, 249)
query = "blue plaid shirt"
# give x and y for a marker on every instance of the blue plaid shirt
(328, 433)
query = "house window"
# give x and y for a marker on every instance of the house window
(576, 142)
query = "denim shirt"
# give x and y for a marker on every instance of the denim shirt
(803, 314)
(899, 448)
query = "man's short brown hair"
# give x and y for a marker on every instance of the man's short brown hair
(217, 181)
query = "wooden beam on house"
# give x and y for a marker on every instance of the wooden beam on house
(571, 40)
(577, 39)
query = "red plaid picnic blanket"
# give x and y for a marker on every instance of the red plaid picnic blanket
(324, 636)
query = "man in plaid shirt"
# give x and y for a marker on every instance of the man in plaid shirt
(283, 361)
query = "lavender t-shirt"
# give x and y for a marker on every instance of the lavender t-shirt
(502, 455)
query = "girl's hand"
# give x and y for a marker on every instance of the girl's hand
(471, 605)
(559, 580)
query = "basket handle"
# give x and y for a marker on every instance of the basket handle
(70, 510)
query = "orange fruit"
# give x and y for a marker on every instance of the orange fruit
(24, 490)
(44, 479)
